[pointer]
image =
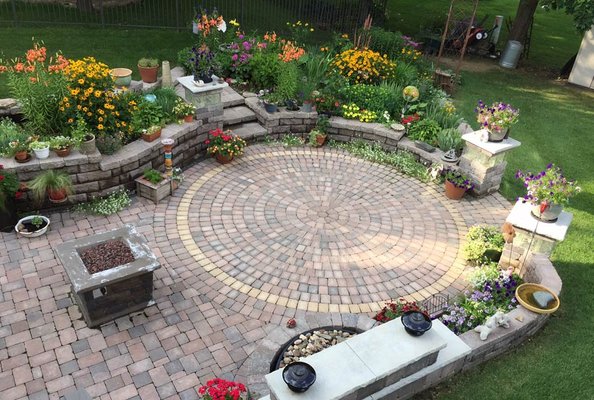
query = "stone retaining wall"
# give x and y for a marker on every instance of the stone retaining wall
(98, 175)
(523, 324)
(298, 122)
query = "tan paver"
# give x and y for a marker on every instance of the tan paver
(277, 234)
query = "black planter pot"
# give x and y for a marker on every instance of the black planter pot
(8, 216)
(203, 76)
(270, 108)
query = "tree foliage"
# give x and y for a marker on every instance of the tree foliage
(581, 10)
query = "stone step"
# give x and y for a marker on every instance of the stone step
(249, 130)
(231, 98)
(237, 115)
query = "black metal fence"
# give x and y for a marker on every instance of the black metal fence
(262, 15)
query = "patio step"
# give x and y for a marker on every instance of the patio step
(249, 130)
(237, 115)
(231, 98)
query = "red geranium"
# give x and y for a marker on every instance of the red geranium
(221, 389)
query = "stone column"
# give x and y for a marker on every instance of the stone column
(484, 162)
(546, 234)
(206, 98)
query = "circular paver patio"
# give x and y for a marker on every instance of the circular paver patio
(319, 230)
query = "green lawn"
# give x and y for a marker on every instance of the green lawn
(555, 126)
(554, 39)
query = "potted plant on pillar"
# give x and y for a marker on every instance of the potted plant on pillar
(548, 191)
(497, 119)
(14, 142)
(456, 184)
(202, 60)
(56, 185)
(40, 148)
(148, 68)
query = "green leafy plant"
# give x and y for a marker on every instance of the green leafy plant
(286, 81)
(153, 176)
(148, 114)
(483, 243)
(50, 181)
(403, 161)
(450, 139)
(61, 142)
(485, 271)
(108, 144)
(182, 108)
(265, 68)
(148, 62)
(12, 138)
(458, 179)
(37, 221)
(425, 130)
(9, 187)
(111, 204)
(291, 140)
(39, 145)
(39, 85)
(81, 132)
(183, 59)
(166, 99)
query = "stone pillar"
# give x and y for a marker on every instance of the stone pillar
(540, 236)
(206, 98)
(484, 162)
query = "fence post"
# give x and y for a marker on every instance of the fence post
(177, 15)
(15, 20)
(242, 20)
(101, 12)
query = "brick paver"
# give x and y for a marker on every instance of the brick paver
(313, 234)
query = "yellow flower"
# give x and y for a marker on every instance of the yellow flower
(70, 120)
(100, 126)
(100, 119)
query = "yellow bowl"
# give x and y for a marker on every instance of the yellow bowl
(122, 76)
(524, 295)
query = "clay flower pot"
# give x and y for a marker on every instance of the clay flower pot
(223, 158)
(63, 152)
(57, 196)
(22, 156)
(189, 118)
(148, 74)
(453, 192)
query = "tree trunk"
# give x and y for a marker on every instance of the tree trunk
(84, 5)
(521, 25)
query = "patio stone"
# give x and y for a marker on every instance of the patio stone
(252, 253)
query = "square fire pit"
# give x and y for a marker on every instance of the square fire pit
(106, 295)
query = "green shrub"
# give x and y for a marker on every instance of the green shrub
(107, 143)
(450, 139)
(483, 243)
(113, 203)
(153, 176)
(386, 42)
(265, 68)
(425, 130)
(166, 98)
(183, 59)
(286, 81)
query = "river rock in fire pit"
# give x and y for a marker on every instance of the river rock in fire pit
(311, 343)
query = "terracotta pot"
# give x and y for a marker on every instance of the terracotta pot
(57, 196)
(22, 156)
(63, 152)
(453, 192)
(223, 159)
(148, 74)
(152, 136)
(189, 118)
(320, 140)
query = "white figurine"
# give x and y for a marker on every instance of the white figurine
(497, 319)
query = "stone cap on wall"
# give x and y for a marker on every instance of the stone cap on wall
(521, 217)
(491, 148)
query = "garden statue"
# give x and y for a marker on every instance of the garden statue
(497, 319)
